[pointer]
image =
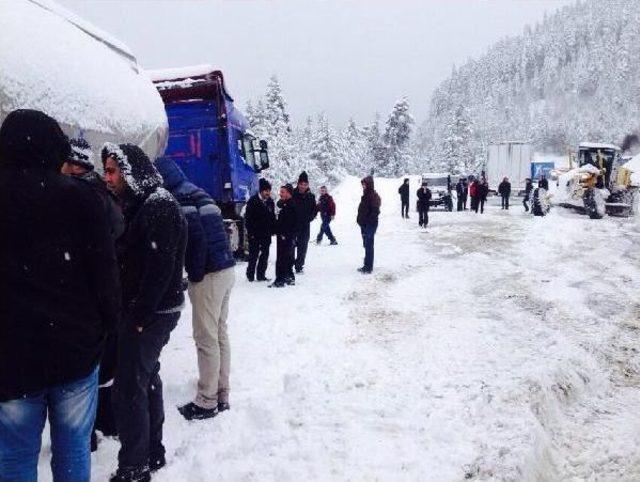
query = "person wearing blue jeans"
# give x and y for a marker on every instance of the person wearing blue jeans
(71, 408)
(368, 212)
(60, 298)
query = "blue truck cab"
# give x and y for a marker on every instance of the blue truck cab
(210, 139)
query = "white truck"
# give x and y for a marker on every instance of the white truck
(509, 159)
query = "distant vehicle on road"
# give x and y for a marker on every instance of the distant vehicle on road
(509, 159)
(440, 186)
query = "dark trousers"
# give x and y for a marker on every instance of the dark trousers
(137, 390)
(505, 202)
(525, 203)
(325, 228)
(301, 245)
(368, 236)
(474, 203)
(480, 204)
(284, 258)
(405, 208)
(258, 255)
(423, 217)
(464, 203)
(460, 205)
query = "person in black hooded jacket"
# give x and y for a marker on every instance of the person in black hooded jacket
(260, 220)
(304, 202)
(151, 257)
(59, 297)
(367, 219)
(80, 165)
(286, 225)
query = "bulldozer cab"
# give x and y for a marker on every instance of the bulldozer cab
(606, 157)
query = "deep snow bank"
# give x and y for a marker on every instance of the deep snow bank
(53, 61)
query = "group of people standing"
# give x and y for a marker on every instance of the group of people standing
(423, 204)
(476, 189)
(91, 274)
(290, 223)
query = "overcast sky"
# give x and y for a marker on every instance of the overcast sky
(347, 58)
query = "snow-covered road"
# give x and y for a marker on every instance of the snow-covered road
(493, 347)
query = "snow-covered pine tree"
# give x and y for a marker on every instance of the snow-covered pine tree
(353, 148)
(376, 151)
(455, 154)
(324, 161)
(276, 109)
(397, 137)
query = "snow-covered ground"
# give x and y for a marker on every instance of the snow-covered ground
(490, 347)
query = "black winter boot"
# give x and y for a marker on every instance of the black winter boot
(191, 411)
(131, 474)
(156, 462)
(223, 406)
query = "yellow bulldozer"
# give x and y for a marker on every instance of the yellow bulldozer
(597, 181)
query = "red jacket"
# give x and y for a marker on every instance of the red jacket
(326, 206)
(473, 188)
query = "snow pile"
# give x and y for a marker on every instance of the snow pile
(53, 61)
(567, 185)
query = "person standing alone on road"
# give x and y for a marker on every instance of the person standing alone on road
(151, 256)
(424, 197)
(209, 265)
(260, 221)
(528, 188)
(60, 297)
(368, 212)
(285, 235)
(305, 204)
(404, 198)
(504, 189)
(327, 210)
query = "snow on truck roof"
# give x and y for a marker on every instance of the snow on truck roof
(54, 61)
(596, 145)
(180, 73)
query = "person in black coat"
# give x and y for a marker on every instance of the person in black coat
(404, 198)
(461, 192)
(424, 197)
(367, 219)
(260, 220)
(482, 191)
(305, 203)
(151, 258)
(60, 295)
(528, 188)
(80, 165)
(504, 189)
(286, 227)
(543, 183)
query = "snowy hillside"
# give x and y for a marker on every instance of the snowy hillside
(572, 77)
(490, 347)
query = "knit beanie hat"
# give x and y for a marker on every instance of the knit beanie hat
(81, 153)
(288, 187)
(303, 177)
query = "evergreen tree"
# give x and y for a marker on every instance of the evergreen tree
(397, 139)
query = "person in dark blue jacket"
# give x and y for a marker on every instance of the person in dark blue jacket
(209, 264)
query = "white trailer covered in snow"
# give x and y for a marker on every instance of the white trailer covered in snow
(509, 159)
(53, 61)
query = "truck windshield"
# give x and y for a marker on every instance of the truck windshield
(590, 156)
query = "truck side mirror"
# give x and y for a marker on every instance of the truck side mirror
(264, 155)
